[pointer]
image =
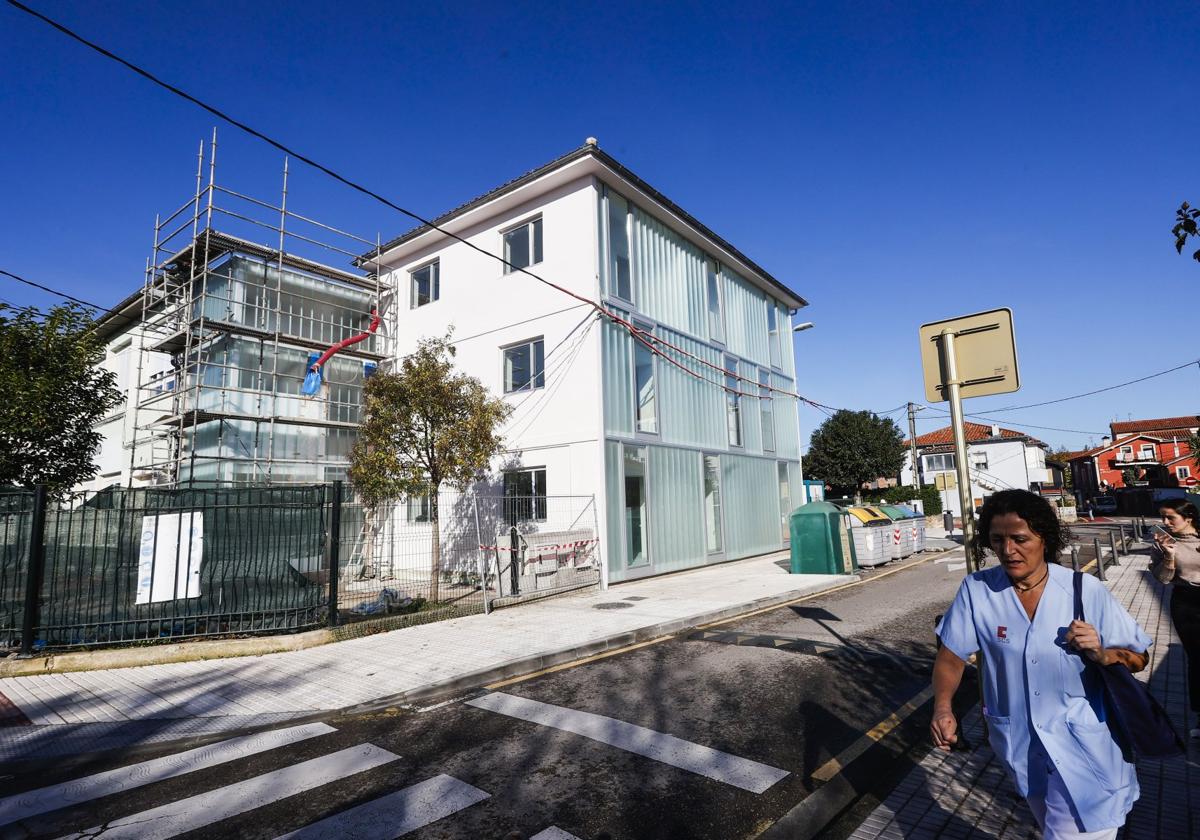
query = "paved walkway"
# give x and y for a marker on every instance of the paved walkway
(61, 714)
(968, 794)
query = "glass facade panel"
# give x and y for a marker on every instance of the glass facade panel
(712, 504)
(733, 411)
(245, 291)
(716, 317)
(643, 361)
(773, 332)
(785, 501)
(635, 506)
(617, 363)
(619, 272)
(766, 410)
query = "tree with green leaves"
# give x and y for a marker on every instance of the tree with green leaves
(424, 425)
(853, 447)
(1186, 220)
(53, 394)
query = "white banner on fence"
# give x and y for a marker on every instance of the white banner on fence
(169, 560)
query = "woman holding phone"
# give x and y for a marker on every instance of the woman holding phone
(1175, 559)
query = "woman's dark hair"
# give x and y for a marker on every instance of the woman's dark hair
(1185, 509)
(1038, 514)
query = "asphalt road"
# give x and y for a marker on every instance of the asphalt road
(711, 734)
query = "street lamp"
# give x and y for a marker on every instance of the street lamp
(807, 325)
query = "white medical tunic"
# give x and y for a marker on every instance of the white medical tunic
(1033, 687)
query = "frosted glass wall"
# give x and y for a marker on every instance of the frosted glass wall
(669, 274)
(693, 409)
(676, 509)
(617, 360)
(745, 318)
(750, 492)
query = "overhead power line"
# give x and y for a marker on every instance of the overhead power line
(642, 336)
(944, 415)
(1097, 391)
(64, 295)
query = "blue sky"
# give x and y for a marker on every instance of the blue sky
(894, 163)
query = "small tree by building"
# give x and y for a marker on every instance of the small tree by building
(53, 394)
(853, 447)
(424, 426)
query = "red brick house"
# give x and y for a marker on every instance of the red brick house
(1161, 459)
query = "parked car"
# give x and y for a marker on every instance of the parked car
(1104, 504)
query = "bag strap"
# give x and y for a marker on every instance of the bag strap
(1077, 585)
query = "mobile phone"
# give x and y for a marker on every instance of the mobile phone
(1158, 529)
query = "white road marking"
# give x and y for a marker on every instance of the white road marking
(956, 567)
(51, 798)
(553, 833)
(396, 813)
(215, 805)
(696, 758)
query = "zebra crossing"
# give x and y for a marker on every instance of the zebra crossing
(394, 814)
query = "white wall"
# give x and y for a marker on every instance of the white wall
(117, 428)
(557, 426)
(1011, 464)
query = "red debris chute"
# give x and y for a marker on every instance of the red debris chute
(312, 381)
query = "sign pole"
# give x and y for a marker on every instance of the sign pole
(952, 383)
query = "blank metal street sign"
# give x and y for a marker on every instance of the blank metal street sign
(985, 354)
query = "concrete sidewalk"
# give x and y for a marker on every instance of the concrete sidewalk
(50, 715)
(968, 794)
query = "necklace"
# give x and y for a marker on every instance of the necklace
(1033, 586)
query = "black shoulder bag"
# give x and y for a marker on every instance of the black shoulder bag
(1137, 720)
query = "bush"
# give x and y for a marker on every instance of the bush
(930, 496)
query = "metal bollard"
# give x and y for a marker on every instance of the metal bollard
(1074, 557)
(1099, 559)
(514, 570)
(1112, 543)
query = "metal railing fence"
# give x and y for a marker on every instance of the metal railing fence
(128, 566)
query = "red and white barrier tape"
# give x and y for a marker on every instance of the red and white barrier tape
(540, 548)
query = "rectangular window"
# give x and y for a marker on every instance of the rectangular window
(523, 245)
(644, 404)
(773, 332)
(716, 317)
(767, 410)
(525, 495)
(712, 503)
(1147, 452)
(619, 274)
(733, 406)
(635, 506)
(524, 366)
(939, 463)
(979, 460)
(424, 285)
(1183, 472)
(418, 508)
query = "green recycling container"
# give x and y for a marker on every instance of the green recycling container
(820, 540)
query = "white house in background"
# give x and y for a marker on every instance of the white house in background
(688, 464)
(1001, 459)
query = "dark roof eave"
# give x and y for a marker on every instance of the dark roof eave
(571, 156)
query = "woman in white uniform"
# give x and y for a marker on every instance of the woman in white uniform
(1046, 728)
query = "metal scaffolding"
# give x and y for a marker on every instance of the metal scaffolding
(229, 326)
